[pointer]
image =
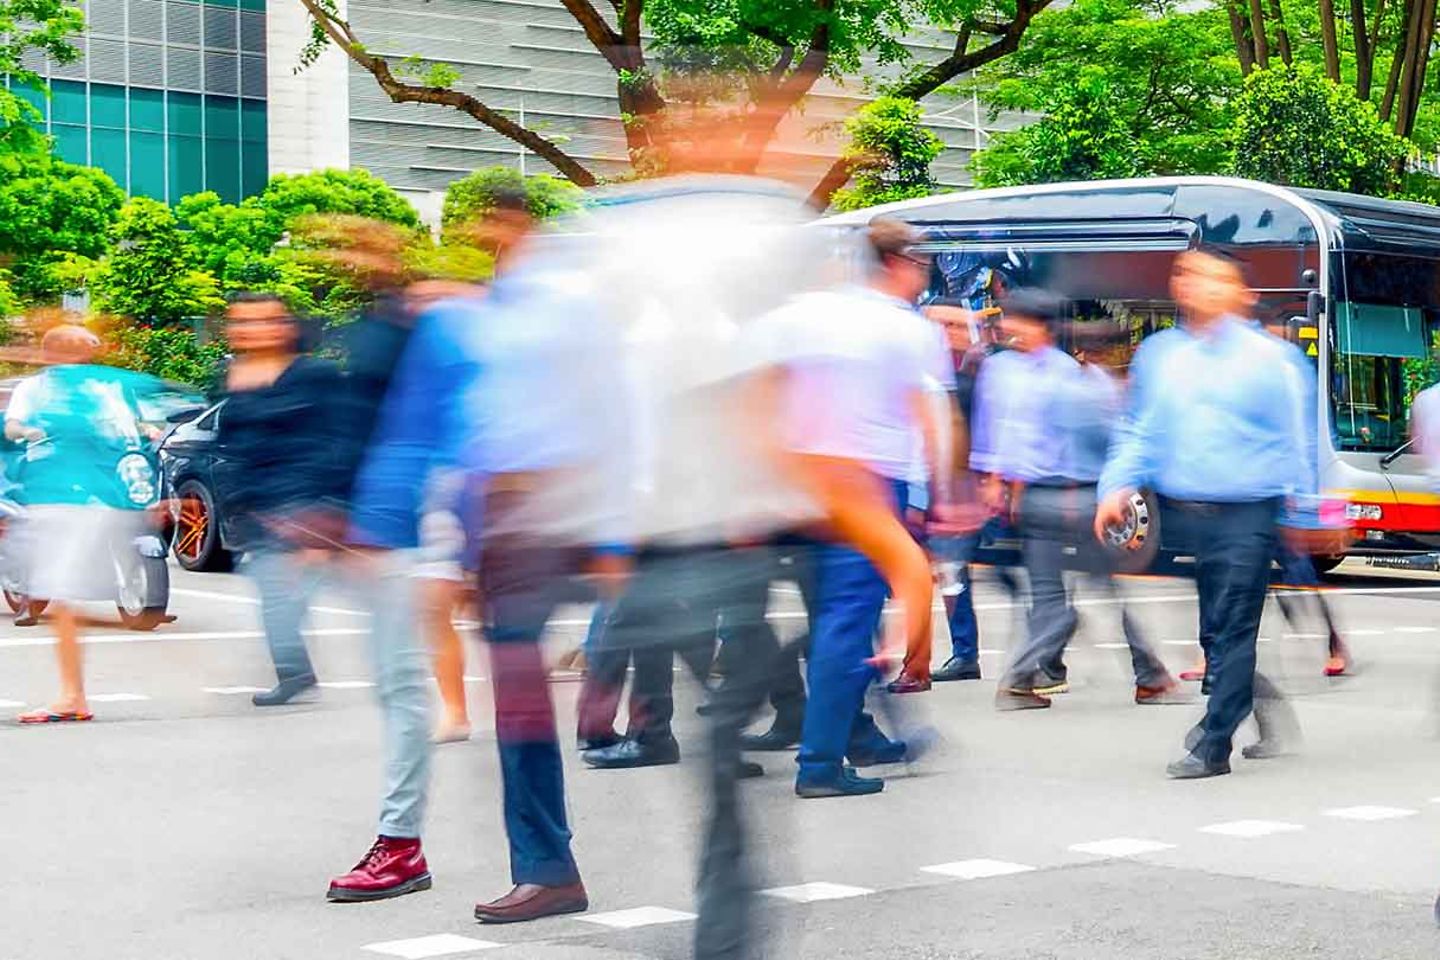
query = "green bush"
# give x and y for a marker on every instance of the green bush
(1294, 126)
(473, 196)
(171, 353)
(890, 153)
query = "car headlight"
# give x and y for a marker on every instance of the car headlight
(137, 476)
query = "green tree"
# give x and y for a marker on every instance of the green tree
(754, 60)
(1167, 76)
(473, 196)
(246, 245)
(1083, 136)
(31, 26)
(48, 210)
(153, 274)
(1295, 126)
(171, 353)
(890, 152)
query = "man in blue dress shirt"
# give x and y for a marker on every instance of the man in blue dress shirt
(1217, 428)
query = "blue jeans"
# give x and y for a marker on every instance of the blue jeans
(398, 658)
(850, 596)
(960, 598)
(522, 582)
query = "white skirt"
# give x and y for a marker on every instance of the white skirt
(67, 551)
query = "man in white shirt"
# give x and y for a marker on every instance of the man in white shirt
(856, 366)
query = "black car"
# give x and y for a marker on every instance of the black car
(189, 455)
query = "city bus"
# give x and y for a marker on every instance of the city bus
(1354, 280)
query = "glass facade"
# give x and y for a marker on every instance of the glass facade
(168, 96)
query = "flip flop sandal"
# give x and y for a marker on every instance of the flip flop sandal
(50, 716)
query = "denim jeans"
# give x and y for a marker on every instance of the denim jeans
(849, 602)
(399, 661)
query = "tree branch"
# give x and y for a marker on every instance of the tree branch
(599, 32)
(343, 37)
(960, 61)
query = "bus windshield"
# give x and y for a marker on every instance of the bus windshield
(1383, 328)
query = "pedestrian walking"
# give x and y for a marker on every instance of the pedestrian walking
(78, 422)
(1215, 428)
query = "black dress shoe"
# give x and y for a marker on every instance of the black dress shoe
(881, 752)
(906, 683)
(957, 669)
(599, 743)
(772, 740)
(1191, 767)
(632, 753)
(284, 691)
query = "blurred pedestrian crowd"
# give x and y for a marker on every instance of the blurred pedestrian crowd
(663, 406)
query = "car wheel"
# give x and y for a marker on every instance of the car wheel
(1136, 542)
(196, 538)
(144, 593)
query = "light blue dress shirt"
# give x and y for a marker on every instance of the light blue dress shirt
(1219, 416)
(1016, 433)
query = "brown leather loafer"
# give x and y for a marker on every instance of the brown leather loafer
(530, 901)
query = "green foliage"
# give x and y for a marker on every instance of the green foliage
(472, 196)
(1083, 136)
(246, 245)
(1167, 75)
(48, 210)
(1294, 126)
(891, 151)
(429, 73)
(154, 275)
(452, 261)
(171, 353)
(39, 26)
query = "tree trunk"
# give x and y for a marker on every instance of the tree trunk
(1364, 49)
(1244, 49)
(1257, 35)
(1392, 80)
(1327, 34)
(1282, 36)
(1409, 62)
(1418, 65)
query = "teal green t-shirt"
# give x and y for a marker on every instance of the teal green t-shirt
(90, 421)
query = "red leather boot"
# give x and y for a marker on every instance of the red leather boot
(393, 867)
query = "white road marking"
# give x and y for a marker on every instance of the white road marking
(117, 697)
(1120, 847)
(255, 602)
(812, 892)
(1370, 813)
(1305, 636)
(1251, 828)
(1179, 643)
(637, 917)
(346, 684)
(7, 704)
(977, 869)
(1364, 633)
(159, 636)
(232, 691)
(991, 653)
(470, 679)
(1415, 629)
(438, 945)
(1114, 645)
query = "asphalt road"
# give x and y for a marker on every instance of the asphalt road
(184, 823)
